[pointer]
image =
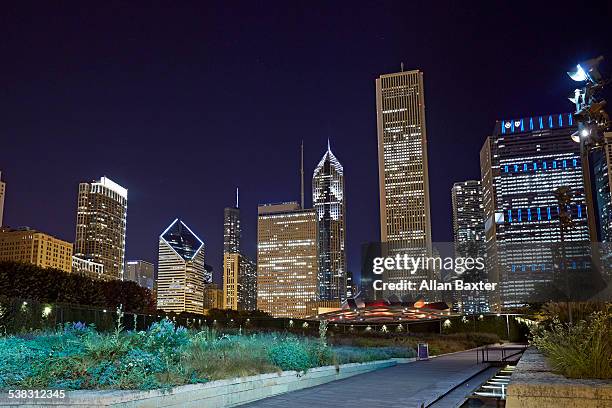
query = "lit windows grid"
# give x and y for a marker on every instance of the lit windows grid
(287, 265)
(403, 160)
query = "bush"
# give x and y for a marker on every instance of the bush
(290, 355)
(583, 350)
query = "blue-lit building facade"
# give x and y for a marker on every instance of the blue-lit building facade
(522, 165)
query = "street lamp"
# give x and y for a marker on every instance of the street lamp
(592, 121)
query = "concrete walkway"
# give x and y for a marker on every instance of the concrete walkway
(405, 385)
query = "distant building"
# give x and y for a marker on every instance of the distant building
(231, 285)
(247, 299)
(405, 219)
(318, 307)
(88, 268)
(141, 272)
(239, 272)
(350, 285)
(2, 193)
(328, 201)
(468, 212)
(522, 165)
(181, 273)
(213, 297)
(35, 247)
(101, 225)
(468, 232)
(287, 259)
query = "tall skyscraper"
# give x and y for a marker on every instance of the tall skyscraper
(468, 212)
(2, 193)
(405, 222)
(181, 275)
(239, 272)
(35, 247)
(328, 202)
(468, 232)
(101, 225)
(287, 260)
(231, 256)
(523, 164)
(141, 272)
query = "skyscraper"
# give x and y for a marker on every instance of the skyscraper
(231, 256)
(468, 232)
(468, 214)
(523, 164)
(141, 272)
(287, 260)
(239, 272)
(181, 274)
(405, 223)
(101, 225)
(328, 202)
(2, 192)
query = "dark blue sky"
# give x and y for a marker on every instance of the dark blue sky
(182, 102)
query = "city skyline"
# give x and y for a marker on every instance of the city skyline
(515, 89)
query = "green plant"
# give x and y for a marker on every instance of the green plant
(582, 350)
(290, 354)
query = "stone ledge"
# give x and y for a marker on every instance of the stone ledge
(533, 384)
(214, 394)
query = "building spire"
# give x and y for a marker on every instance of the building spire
(328, 145)
(302, 174)
(237, 197)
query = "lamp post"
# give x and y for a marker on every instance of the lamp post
(592, 120)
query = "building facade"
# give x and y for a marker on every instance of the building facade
(328, 202)
(2, 194)
(232, 233)
(601, 179)
(87, 268)
(239, 272)
(468, 234)
(247, 295)
(523, 165)
(34, 247)
(213, 297)
(468, 212)
(231, 279)
(405, 219)
(181, 274)
(141, 272)
(287, 259)
(101, 225)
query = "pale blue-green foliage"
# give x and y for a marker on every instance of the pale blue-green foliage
(291, 354)
(163, 335)
(77, 356)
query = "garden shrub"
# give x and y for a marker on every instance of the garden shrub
(290, 355)
(582, 350)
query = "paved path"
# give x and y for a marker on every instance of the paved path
(404, 385)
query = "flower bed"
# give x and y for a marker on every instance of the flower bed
(79, 357)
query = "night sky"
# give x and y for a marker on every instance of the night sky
(180, 103)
